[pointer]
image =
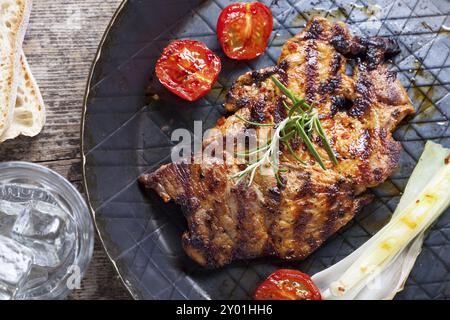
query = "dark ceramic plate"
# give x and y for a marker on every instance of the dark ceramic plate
(125, 134)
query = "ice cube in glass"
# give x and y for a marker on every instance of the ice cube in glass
(6, 224)
(15, 262)
(11, 208)
(44, 228)
(57, 229)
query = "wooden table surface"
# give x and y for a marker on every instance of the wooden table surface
(60, 44)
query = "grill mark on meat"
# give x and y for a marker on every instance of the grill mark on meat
(260, 76)
(209, 225)
(188, 201)
(211, 180)
(302, 220)
(197, 243)
(280, 112)
(336, 63)
(274, 194)
(189, 204)
(257, 111)
(372, 50)
(360, 105)
(311, 72)
(390, 155)
(374, 57)
(330, 223)
(302, 214)
(339, 39)
(328, 87)
(364, 89)
(239, 250)
(378, 174)
(272, 207)
(314, 31)
(249, 226)
(332, 193)
(339, 104)
(282, 72)
(379, 49)
(230, 96)
(306, 189)
(242, 102)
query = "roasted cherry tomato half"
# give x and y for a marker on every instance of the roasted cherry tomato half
(244, 30)
(188, 69)
(287, 284)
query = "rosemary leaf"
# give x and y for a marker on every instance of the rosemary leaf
(290, 95)
(297, 107)
(286, 106)
(277, 176)
(287, 136)
(284, 89)
(310, 146)
(323, 137)
(253, 151)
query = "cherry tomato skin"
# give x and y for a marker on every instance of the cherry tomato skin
(188, 68)
(287, 284)
(244, 29)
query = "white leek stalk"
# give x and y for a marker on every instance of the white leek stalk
(380, 267)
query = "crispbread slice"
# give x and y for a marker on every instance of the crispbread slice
(14, 15)
(29, 112)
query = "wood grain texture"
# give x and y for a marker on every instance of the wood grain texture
(60, 44)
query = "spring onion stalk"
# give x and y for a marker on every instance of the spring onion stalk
(380, 267)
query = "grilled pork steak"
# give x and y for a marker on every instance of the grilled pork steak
(229, 221)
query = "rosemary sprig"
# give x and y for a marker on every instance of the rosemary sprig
(301, 121)
(269, 156)
(314, 122)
